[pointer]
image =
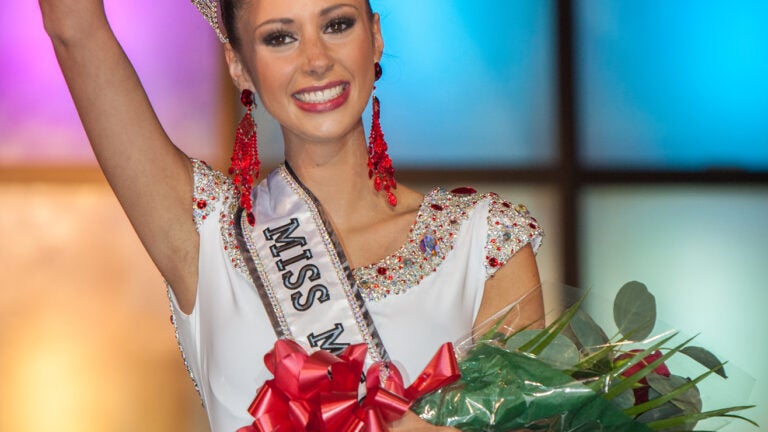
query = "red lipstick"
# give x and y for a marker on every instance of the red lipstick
(319, 99)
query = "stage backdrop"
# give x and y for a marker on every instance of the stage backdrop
(673, 85)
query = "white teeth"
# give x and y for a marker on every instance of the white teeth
(321, 96)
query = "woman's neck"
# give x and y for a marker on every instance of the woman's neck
(337, 174)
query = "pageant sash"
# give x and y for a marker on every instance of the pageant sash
(300, 271)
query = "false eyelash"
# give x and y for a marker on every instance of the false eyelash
(272, 38)
(347, 21)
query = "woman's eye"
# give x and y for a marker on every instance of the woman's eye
(339, 25)
(278, 39)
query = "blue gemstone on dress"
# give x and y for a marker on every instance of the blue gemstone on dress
(428, 246)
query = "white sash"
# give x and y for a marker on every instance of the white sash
(300, 271)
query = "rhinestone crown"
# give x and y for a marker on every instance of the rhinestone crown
(210, 11)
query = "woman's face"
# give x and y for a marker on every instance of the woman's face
(311, 61)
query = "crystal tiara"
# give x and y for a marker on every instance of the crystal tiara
(210, 11)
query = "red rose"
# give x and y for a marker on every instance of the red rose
(641, 393)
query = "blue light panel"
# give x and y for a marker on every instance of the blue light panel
(468, 84)
(673, 84)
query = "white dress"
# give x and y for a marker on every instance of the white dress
(425, 294)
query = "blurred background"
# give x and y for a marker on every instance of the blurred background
(636, 132)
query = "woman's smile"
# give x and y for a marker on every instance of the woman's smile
(322, 98)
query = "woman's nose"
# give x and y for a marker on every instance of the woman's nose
(317, 58)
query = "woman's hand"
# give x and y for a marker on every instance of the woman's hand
(65, 20)
(413, 423)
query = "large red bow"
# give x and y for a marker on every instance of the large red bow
(319, 392)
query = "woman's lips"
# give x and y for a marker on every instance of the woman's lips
(322, 98)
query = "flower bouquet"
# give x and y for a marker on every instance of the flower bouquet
(570, 376)
(567, 377)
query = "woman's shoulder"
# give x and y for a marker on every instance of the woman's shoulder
(212, 191)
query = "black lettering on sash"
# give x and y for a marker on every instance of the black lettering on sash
(317, 292)
(327, 340)
(283, 240)
(308, 269)
(305, 255)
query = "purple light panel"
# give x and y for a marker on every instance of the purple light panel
(175, 53)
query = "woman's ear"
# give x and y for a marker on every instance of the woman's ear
(237, 69)
(378, 39)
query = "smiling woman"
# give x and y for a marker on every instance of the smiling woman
(328, 250)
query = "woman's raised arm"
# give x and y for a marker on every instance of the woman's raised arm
(150, 176)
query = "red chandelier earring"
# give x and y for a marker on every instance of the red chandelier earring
(245, 156)
(379, 164)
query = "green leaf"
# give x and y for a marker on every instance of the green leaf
(625, 400)
(492, 333)
(541, 340)
(689, 401)
(588, 333)
(706, 358)
(592, 360)
(624, 365)
(672, 394)
(628, 382)
(634, 311)
(681, 420)
(561, 352)
(661, 412)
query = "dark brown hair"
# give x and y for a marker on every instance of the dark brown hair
(229, 12)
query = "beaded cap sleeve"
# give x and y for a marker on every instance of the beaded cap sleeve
(510, 228)
(215, 196)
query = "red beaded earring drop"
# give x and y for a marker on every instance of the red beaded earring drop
(245, 156)
(379, 164)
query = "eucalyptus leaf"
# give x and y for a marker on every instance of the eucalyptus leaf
(625, 400)
(561, 352)
(668, 410)
(590, 335)
(689, 402)
(660, 413)
(634, 311)
(706, 358)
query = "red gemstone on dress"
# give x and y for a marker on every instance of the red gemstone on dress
(464, 191)
(493, 262)
(506, 204)
(381, 271)
(533, 226)
(437, 207)
(251, 219)
(201, 204)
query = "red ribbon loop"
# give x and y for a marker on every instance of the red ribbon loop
(319, 392)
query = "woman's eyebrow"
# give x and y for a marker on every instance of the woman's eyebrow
(283, 21)
(287, 21)
(330, 9)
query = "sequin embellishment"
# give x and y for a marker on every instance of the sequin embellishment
(510, 228)
(181, 348)
(430, 240)
(213, 191)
